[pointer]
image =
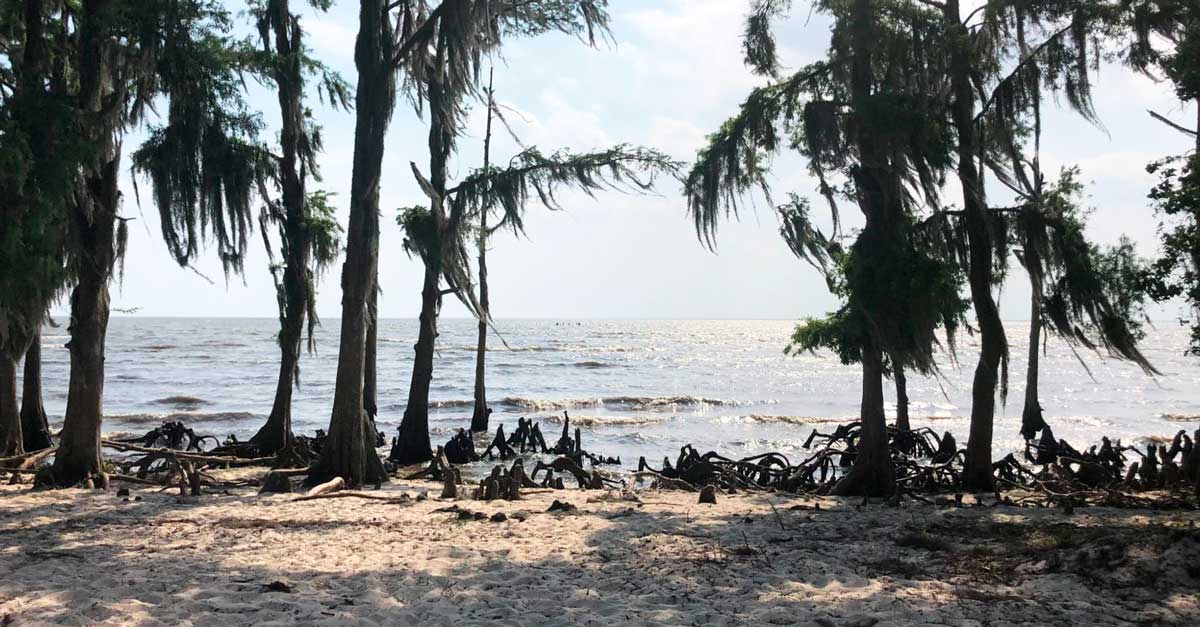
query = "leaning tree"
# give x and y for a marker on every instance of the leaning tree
(869, 118)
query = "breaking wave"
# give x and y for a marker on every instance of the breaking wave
(185, 417)
(604, 421)
(1182, 417)
(181, 401)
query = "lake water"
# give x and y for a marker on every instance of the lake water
(636, 387)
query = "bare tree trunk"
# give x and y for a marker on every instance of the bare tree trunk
(901, 398)
(1032, 420)
(479, 420)
(349, 451)
(276, 434)
(412, 444)
(977, 472)
(11, 441)
(370, 367)
(35, 427)
(78, 458)
(872, 473)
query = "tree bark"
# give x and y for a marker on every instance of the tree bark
(11, 441)
(479, 419)
(349, 450)
(872, 473)
(1032, 420)
(370, 366)
(35, 427)
(276, 434)
(902, 422)
(977, 472)
(412, 443)
(78, 458)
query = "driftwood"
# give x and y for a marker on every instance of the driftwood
(333, 485)
(214, 460)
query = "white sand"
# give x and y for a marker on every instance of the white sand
(90, 558)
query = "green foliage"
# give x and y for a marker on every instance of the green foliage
(530, 174)
(1176, 272)
(836, 332)
(324, 234)
(420, 232)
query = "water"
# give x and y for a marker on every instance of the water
(635, 387)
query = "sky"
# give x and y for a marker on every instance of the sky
(673, 74)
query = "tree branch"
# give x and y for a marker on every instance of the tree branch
(1182, 129)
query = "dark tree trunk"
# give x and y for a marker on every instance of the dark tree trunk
(35, 427)
(349, 451)
(412, 444)
(1032, 420)
(977, 473)
(872, 473)
(479, 419)
(370, 366)
(11, 441)
(276, 434)
(78, 458)
(901, 398)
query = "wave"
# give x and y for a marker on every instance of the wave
(158, 347)
(181, 401)
(185, 417)
(604, 421)
(789, 420)
(1182, 417)
(593, 364)
(622, 402)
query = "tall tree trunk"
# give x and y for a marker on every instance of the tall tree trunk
(349, 451)
(1032, 420)
(977, 473)
(412, 444)
(872, 473)
(35, 427)
(902, 423)
(370, 366)
(11, 441)
(78, 458)
(276, 434)
(479, 420)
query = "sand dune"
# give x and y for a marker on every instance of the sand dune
(91, 558)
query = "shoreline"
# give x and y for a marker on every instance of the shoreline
(236, 557)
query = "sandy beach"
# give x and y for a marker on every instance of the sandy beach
(75, 557)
